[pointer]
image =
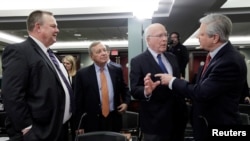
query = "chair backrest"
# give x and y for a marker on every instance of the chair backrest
(130, 120)
(101, 136)
(245, 118)
(244, 108)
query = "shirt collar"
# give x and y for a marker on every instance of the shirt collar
(213, 53)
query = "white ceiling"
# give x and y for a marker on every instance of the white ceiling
(99, 20)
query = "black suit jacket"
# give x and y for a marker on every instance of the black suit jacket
(163, 113)
(88, 96)
(32, 92)
(216, 95)
(181, 53)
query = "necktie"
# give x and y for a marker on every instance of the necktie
(105, 93)
(53, 59)
(162, 66)
(208, 58)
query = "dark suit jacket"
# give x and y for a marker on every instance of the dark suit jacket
(181, 53)
(163, 113)
(216, 95)
(88, 96)
(115, 64)
(32, 92)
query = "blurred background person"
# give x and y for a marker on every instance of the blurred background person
(69, 62)
(180, 51)
(109, 60)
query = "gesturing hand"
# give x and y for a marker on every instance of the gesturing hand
(149, 85)
(165, 78)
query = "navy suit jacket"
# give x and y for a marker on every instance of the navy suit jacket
(163, 113)
(88, 96)
(32, 92)
(216, 94)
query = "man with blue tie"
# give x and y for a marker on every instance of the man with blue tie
(163, 115)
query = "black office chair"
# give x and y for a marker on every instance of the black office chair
(131, 124)
(244, 108)
(245, 118)
(101, 136)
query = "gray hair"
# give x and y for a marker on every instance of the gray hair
(93, 44)
(218, 24)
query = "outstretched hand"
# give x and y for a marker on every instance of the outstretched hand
(165, 78)
(149, 84)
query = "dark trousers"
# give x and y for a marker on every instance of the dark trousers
(107, 123)
(152, 137)
(64, 135)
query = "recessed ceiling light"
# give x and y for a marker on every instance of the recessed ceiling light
(77, 35)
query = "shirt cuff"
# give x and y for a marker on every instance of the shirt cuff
(147, 96)
(171, 83)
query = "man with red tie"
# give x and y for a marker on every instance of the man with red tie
(216, 94)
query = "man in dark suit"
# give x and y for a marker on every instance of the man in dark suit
(109, 60)
(89, 96)
(215, 96)
(163, 115)
(35, 97)
(180, 51)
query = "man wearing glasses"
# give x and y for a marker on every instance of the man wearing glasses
(163, 114)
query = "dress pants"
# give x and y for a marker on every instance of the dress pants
(64, 135)
(152, 137)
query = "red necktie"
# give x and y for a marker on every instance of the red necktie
(105, 93)
(208, 58)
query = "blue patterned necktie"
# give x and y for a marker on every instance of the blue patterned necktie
(54, 60)
(162, 66)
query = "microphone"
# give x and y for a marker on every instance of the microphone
(78, 127)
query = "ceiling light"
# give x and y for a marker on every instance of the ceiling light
(85, 44)
(8, 38)
(77, 35)
(147, 10)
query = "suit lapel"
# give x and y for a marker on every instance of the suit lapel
(44, 56)
(222, 51)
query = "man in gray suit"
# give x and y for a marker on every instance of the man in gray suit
(35, 96)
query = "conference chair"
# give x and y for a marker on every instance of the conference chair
(130, 124)
(101, 136)
(245, 118)
(2, 122)
(244, 108)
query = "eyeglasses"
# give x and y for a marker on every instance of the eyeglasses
(159, 36)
